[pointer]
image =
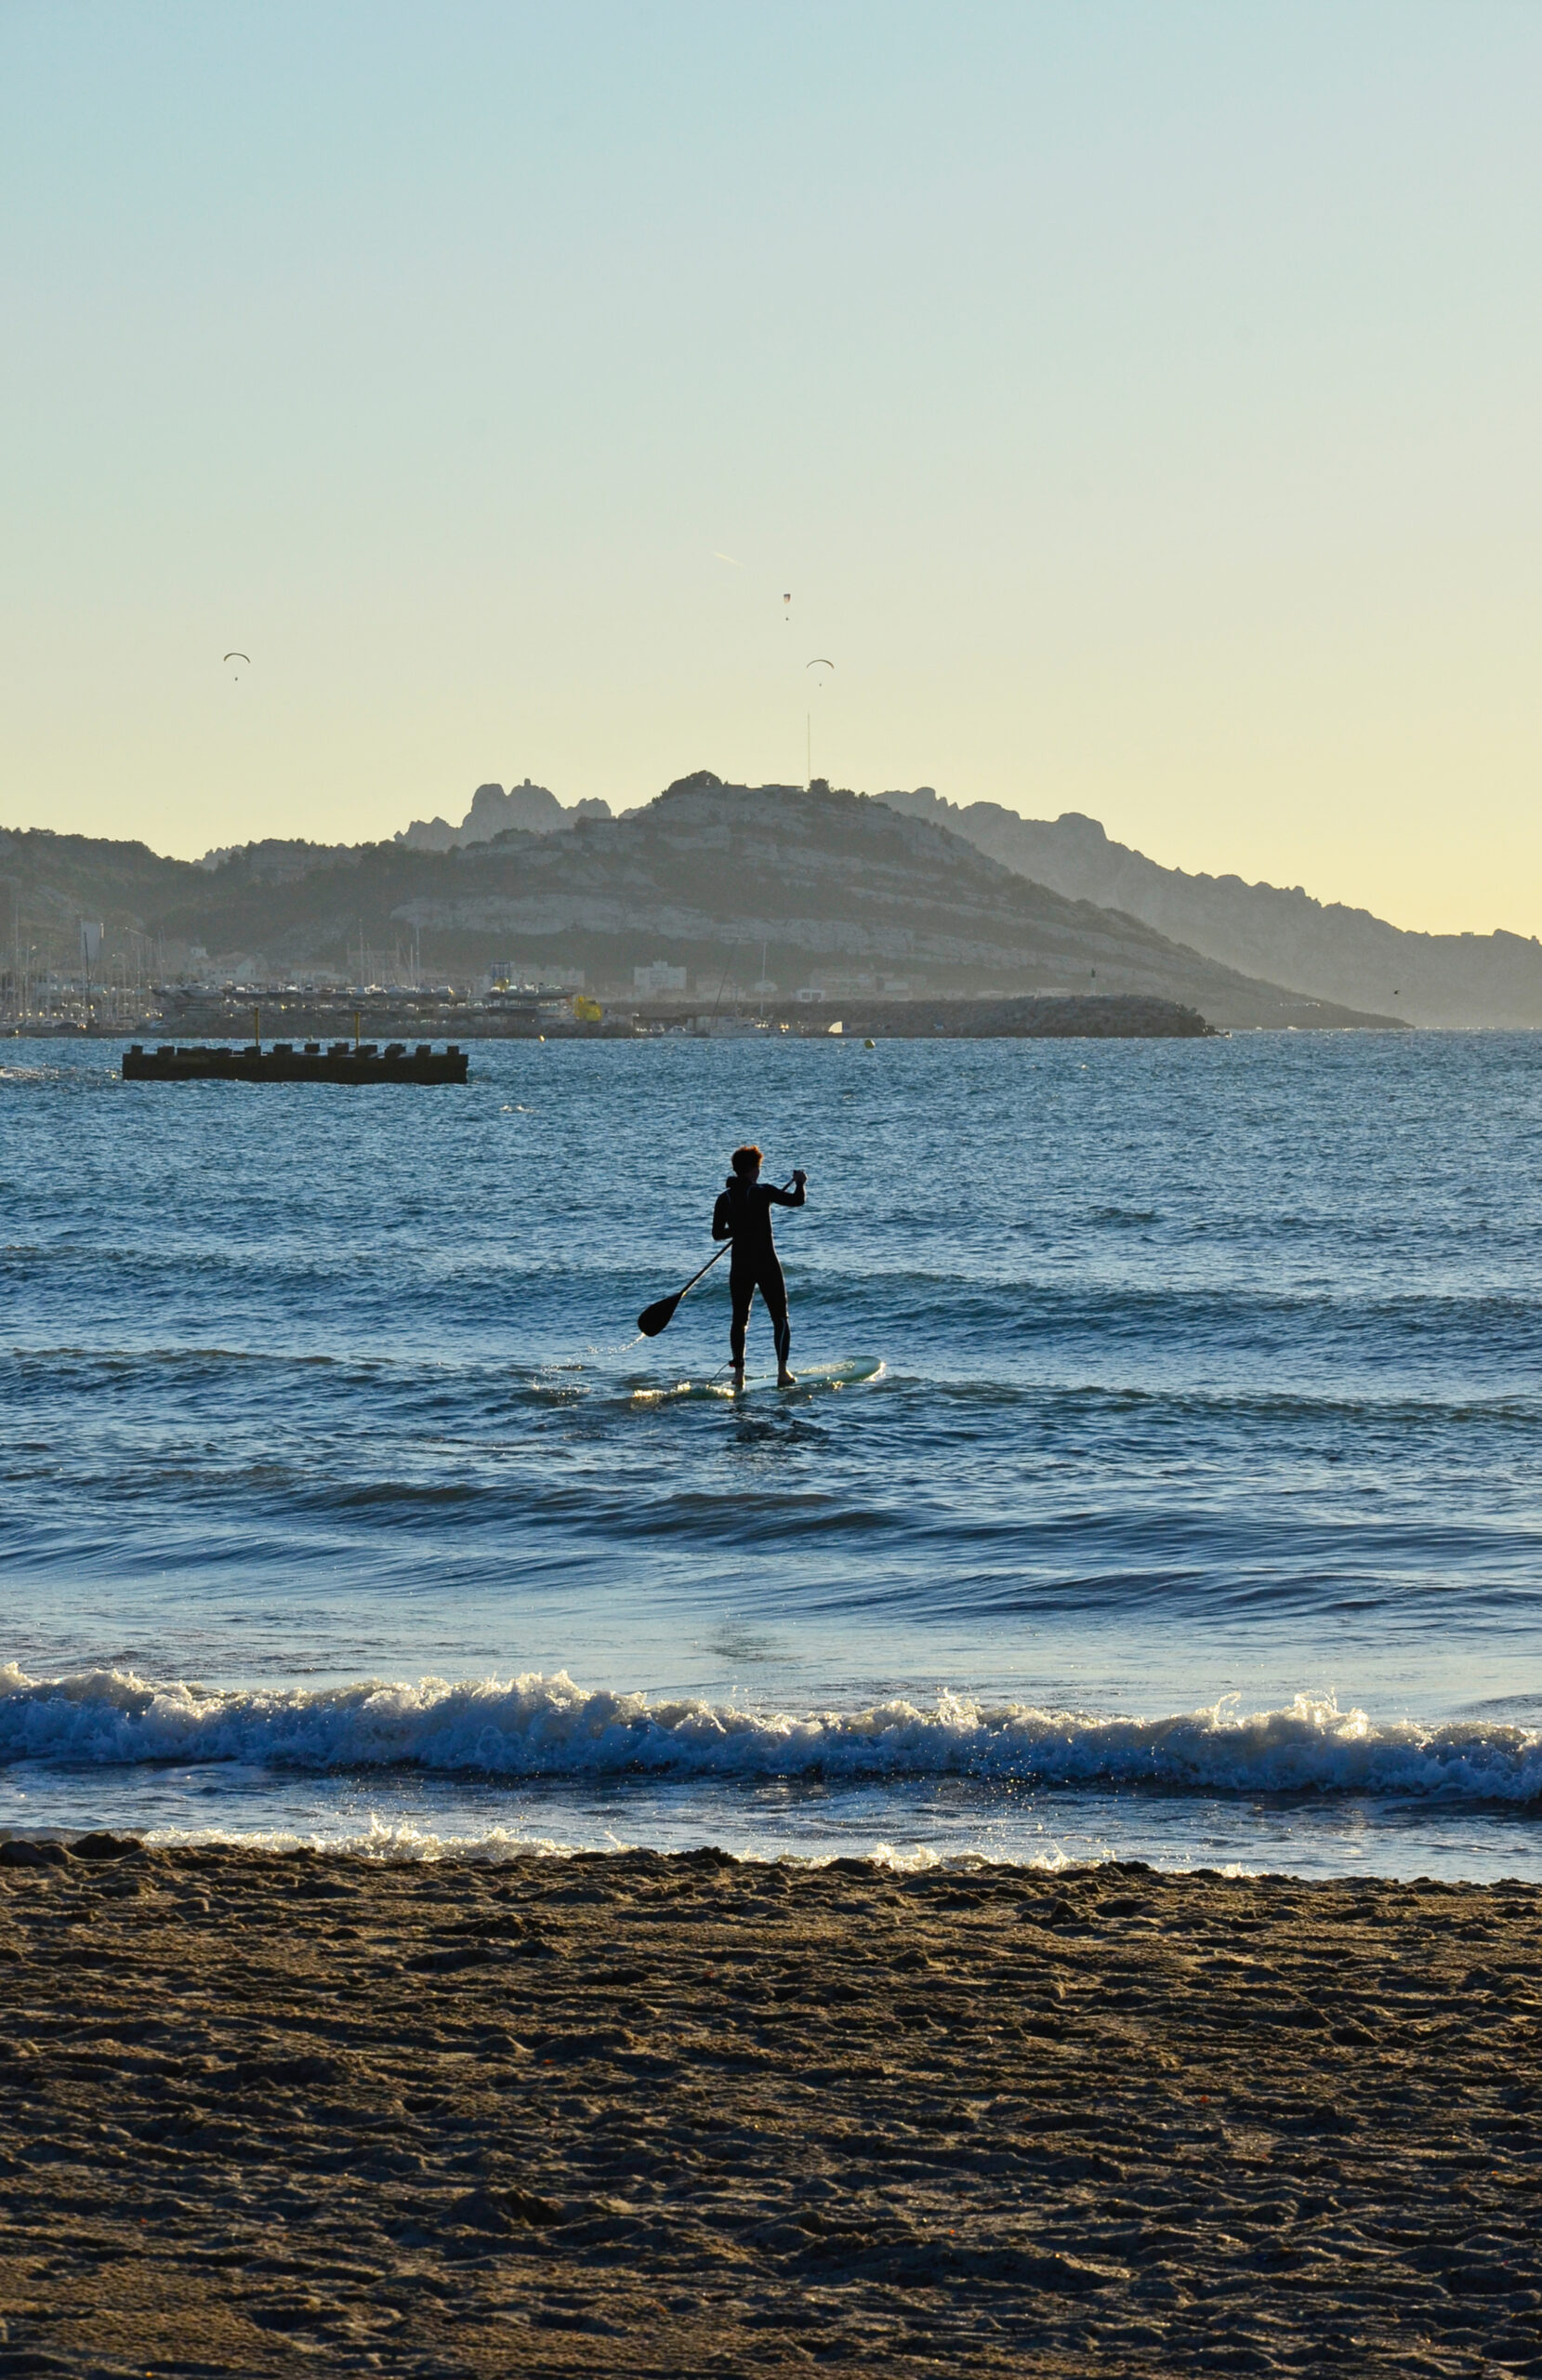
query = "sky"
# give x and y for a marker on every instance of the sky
(1139, 401)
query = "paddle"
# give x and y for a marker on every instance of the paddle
(654, 1318)
(658, 1317)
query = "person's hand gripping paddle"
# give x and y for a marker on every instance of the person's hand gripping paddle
(657, 1318)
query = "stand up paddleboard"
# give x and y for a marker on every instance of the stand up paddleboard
(811, 1380)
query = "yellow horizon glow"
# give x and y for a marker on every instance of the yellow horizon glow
(1139, 402)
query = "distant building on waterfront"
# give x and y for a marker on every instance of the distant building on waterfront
(659, 977)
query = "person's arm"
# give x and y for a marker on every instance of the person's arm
(793, 1198)
(722, 1223)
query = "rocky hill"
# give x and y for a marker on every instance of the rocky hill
(735, 884)
(493, 811)
(1322, 947)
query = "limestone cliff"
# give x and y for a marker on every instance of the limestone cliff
(493, 811)
(738, 884)
(1321, 948)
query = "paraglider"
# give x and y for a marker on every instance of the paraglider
(786, 609)
(240, 656)
(819, 664)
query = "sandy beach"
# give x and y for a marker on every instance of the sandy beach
(635, 2113)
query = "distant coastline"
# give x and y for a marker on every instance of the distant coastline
(731, 900)
(376, 1017)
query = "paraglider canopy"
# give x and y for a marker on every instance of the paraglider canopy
(239, 656)
(819, 664)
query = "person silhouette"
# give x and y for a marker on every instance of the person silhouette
(743, 1215)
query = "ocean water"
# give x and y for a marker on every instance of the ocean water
(1164, 1486)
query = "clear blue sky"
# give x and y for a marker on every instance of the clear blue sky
(1140, 402)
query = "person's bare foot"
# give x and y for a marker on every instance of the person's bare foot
(784, 1379)
(738, 1378)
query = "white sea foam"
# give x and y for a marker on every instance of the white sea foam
(399, 1843)
(547, 1726)
(396, 1842)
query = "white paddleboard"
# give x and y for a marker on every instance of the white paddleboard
(811, 1379)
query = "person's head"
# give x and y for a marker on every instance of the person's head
(747, 1161)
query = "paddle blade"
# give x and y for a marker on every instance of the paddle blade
(654, 1318)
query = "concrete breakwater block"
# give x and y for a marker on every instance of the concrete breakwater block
(344, 1062)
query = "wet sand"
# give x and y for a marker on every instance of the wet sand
(638, 2114)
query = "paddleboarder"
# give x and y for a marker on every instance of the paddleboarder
(743, 1215)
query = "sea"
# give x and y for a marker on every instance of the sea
(1163, 1481)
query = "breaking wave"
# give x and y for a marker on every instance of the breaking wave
(536, 1726)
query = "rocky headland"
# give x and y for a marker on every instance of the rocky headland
(751, 890)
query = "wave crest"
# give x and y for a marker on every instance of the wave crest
(536, 1726)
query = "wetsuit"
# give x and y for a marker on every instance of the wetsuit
(743, 1215)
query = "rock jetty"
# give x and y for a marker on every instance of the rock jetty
(1116, 1017)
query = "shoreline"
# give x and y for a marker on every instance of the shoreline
(952, 1016)
(654, 2113)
